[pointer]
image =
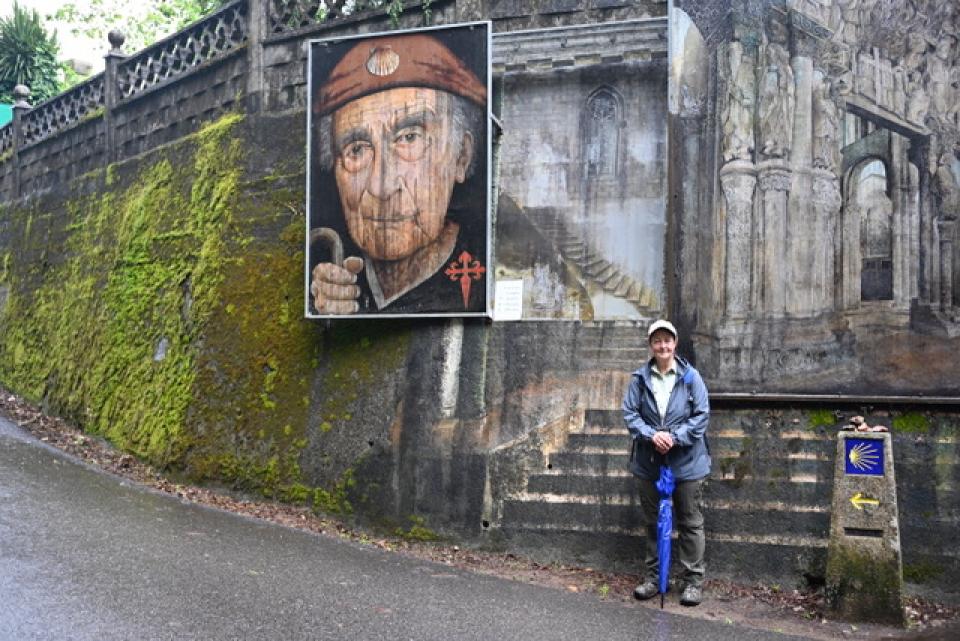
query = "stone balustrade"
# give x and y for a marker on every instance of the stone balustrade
(218, 64)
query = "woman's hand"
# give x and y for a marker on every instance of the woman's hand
(663, 442)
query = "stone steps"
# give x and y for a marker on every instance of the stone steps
(800, 470)
(585, 501)
(620, 483)
(625, 517)
(747, 557)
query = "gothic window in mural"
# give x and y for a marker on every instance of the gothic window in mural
(602, 116)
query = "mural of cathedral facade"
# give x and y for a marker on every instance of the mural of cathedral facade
(831, 262)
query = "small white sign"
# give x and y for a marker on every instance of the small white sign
(508, 300)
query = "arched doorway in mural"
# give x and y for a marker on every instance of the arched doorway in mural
(870, 202)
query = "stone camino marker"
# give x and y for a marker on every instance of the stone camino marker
(864, 566)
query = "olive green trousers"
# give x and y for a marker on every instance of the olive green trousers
(688, 521)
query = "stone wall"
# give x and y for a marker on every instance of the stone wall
(151, 288)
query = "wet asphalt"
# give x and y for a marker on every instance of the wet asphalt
(85, 556)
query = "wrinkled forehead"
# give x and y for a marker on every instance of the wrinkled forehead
(386, 108)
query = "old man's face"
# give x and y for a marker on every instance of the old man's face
(397, 157)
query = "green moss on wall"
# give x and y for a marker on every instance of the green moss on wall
(922, 571)
(161, 323)
(821, 418)
(359, 356)
(89, 340)
(417, 531)
(862, 587)
(336, 500)
(912, 422)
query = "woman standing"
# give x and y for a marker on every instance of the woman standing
(667, 412)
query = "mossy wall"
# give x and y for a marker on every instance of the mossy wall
(111, 290)
(159, 303)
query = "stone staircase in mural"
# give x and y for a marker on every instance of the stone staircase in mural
(609, 346)
(591, 265)
(767, 501)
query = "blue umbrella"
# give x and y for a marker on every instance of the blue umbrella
(665, 486)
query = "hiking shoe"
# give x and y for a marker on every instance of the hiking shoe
(692, 595)
(646, 590)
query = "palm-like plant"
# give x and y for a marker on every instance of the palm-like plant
(28, 55)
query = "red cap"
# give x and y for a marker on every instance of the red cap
(414, 60)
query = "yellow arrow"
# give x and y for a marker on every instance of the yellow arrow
(859, 500)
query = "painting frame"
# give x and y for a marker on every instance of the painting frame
(465, 274)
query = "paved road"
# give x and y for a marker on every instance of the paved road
(87, 557)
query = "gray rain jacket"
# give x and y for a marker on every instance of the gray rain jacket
(688, 414)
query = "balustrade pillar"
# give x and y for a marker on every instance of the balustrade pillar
(20, 108)
(257, 31)
(111, 94)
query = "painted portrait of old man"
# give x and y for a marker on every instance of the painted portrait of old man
(398, 171)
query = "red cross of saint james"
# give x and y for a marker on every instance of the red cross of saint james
(463, 269)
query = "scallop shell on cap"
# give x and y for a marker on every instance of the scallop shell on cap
(383, 61)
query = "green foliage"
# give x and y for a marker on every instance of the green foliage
(395, 9)
(418, 531)
(154, 20)
(28, 56)
(335, 500)
(69, 77)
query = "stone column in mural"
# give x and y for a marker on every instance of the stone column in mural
(738, 179)
(805, 227)
(947, 229)
(775, 179)
(826, 201)
(912, 207)
(776, 104)
(738, 176)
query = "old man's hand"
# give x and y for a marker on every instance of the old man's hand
(334, 287)
(662, 441)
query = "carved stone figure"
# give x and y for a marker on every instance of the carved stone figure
(777, 94)
(738, 142)
(941, 74)
(845, 22)
(826, 124)
(912, 68)
(947, 185)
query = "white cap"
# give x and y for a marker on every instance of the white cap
(662, 324)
